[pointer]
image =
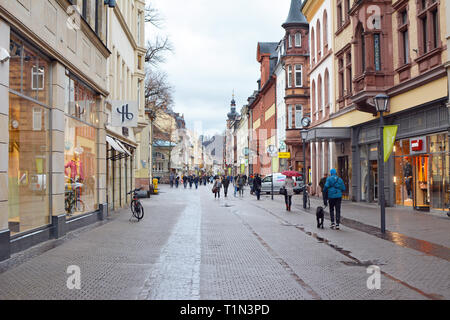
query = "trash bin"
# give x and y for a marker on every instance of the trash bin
(155, 186)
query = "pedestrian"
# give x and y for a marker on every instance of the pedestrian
(190, 180)
(334, 186)
(225, 184)
(289, 187)
(257, 183)
(216, 188)
(322, 185)
(241, 182)
(177, 181)
(196, 182)
(235, 185)
(250, 183)
(171, 179)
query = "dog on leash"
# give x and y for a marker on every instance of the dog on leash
(319, 217)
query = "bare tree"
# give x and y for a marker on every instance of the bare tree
(158, 92)
(153, 16)
(156, 50)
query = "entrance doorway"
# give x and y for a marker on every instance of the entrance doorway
(343, 173)
(373, 181)
(421, 183)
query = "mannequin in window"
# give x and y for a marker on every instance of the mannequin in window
(407, 174)
(76, 171)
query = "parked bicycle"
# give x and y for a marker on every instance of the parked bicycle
(136, 207)
(72, 202)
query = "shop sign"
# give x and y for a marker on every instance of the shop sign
(417, 145)
(124, 114)
(284, 155)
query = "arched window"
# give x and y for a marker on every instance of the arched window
(318, 35)
(313, 100)
(361, 57)
(327, 88)
(319, 95)
(313, 47)
(325, 31)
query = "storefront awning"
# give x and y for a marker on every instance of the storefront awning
(113, 143)
(328, 134)
(123, 147)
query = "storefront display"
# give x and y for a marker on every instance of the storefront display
(80, 149)
(29, 142)
(421, 176)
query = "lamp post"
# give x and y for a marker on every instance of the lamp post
(304, 134)
(381, 104)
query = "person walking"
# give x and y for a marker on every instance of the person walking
(334, 186)
(257, 183)
(235, 185)
(177, 181)
(171, 179)
(216, 188)
(240, 183)
(322, 185)
(289, 187)
(195, 180)
(185, 181)
(190, 180)
(225, 184)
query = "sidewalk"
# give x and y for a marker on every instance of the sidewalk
(406, 221)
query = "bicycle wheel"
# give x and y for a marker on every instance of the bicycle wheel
(138, 211)
(79, 206)
(132, 206)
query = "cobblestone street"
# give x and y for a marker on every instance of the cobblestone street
(192, 246)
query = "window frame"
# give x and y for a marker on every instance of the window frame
(289, 75)
(301, 75)
(298, 36)
(298, 125)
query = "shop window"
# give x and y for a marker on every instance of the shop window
(28, 70)
(80, 149)
(28, 165)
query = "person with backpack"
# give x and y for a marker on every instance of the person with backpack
(334, 187)
(225, 184)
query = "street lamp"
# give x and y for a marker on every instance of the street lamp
(381, 104)
(304, 134)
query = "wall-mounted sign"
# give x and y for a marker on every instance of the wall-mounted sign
(124, 114)
(418, 145)
(284, 155)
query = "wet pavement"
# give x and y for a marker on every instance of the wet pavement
(192, 246)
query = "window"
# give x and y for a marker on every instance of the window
(289, 41)
(289, 76)
(319, 95)
(298, 116)
(298, 75)
(313, 47)
(340, 20)
(318, 35)
(37, 119)
(37, 78)
(298, 39)
(428, 20)
(403, 37)
(341, 78)
(139, 17)
(313, 99)
(289, 117)
(362, 53)
(325, 31)
(327, 88)
(377, 51)
(349, 73)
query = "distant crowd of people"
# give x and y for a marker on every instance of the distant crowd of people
(332, 187)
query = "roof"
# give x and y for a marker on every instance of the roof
(295, 16)
(267, 47)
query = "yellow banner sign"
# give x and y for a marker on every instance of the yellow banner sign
(284, 155)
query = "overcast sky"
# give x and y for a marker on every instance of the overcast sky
(215, 52)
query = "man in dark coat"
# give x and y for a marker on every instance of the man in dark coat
(225, 184)
(257, 184)
(322, 185)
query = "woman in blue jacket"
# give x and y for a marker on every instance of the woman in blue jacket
(334, 186)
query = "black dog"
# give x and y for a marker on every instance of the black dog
(319, 216)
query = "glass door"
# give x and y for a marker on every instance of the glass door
(421, 183)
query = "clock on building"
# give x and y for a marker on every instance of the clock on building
(306, 121)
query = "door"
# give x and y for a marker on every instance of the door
(373, 181)
(421, 183)
(343, 173)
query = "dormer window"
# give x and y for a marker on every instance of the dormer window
(298, 39)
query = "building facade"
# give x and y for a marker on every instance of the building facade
(399, 50)
(128, 151)
(52, 150)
